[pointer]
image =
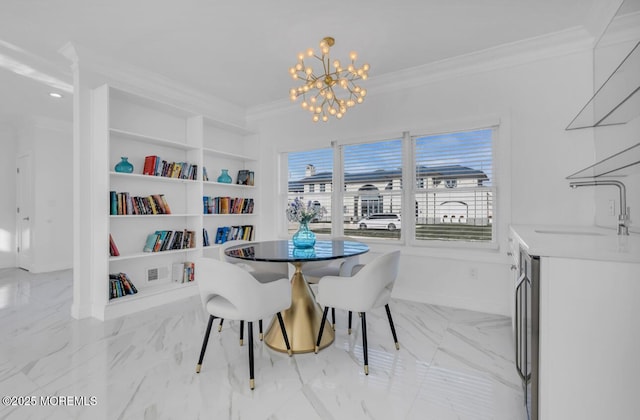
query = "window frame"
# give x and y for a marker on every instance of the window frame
(409, 184)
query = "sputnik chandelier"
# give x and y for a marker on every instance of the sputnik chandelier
(318, 94)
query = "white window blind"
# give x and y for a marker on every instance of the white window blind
(372, 187)
(310, 178)
(455, 188)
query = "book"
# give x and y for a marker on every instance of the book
(205, 176)
(113, 249)
(149, 165)
(251, 179)
(113, 197)
(205, 237)
(243, 177)
(120, 285)
(151, 242)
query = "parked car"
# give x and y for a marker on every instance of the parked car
(390, 221)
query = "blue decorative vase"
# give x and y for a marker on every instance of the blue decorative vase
(304, 237)
(224, 177)
(124, 166)
(304, 253)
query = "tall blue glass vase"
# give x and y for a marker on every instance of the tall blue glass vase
(304, 237)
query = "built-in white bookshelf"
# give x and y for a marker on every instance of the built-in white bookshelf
(130, 125)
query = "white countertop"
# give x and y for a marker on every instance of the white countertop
(591, 243)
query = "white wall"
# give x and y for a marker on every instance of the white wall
(8, 194)
(50, 144)
(613, 139)
(534, 101)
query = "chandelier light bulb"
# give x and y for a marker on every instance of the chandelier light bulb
(323, 101)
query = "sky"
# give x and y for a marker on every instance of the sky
(469, 148)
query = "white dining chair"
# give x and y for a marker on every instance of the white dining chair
(369, 288)
(230, 292)
(264, 272)
(313, 271)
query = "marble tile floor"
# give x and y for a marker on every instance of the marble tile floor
(452, 364)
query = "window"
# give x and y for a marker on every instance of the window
(306, 169)
(452, 198)
(373, 186)
(454, 186)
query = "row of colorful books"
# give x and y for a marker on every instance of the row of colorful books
(154, 165)
(122, 203)
(227, 205)
(166, 240)
(183, 272)
(231, 233)
(120, 285)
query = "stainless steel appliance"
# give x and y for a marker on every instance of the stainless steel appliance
(527, 305)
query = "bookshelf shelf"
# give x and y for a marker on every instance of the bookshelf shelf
(225, 185)
(139, 255)
(152, 178)
(164, 293)
(138, 126)
(151, 140)
(227, 155)
(229, 214)
(147, 216)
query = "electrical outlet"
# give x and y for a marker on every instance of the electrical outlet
(473, 273)
(612, 207)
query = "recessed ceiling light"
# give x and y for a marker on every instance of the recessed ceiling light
(55, 95)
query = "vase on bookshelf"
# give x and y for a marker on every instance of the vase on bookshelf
(304, 238)
(224, 177)
(124, 165)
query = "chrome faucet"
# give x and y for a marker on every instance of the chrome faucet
(623, 217)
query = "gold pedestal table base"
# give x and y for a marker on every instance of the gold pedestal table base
(301, 320)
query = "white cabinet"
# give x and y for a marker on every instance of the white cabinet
(589, 322)
(589, 339)
(132, 126)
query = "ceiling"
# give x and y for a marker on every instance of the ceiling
(240, 51)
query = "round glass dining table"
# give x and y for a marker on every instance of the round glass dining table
(302, 319)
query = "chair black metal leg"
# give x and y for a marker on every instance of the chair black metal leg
(252, 383)
(261, 335)
(220, 326)
(324, 319)
(204, 343)
(393, 329)
(364, 343)
(350, 317)
(333, 318)
(284, 333)
(241, 333)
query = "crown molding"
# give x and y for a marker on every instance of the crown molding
(504, 56)
(152, 84)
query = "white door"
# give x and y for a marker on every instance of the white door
(24, 209)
